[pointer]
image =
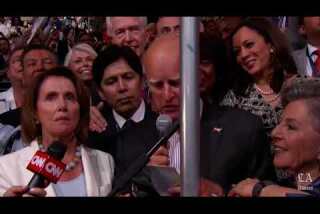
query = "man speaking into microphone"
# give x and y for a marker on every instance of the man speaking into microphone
(233, 143)
(56, 108)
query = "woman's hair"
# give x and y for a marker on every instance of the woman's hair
(112, 54)
(83, 47)
(308, 90)
(213, 49)
(31, 129)
(282, 61)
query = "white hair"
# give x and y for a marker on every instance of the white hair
(143, 22)
(79, 47)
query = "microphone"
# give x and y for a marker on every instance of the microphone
(142, 160)
(163, 124)
(47, 166)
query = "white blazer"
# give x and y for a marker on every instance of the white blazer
(98, 169)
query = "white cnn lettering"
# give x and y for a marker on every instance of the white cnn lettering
(53, 169)
(38, 161)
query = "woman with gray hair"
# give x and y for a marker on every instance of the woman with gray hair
(296, 145)
(80, 59)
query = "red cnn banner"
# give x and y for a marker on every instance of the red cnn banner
(46, 166)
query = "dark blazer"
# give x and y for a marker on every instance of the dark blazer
(234, 147)
(301, 60)
(126, 145)
(12, 117)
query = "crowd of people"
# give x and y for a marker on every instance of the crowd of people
(100, 90)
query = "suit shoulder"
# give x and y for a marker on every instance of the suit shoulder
(11, 117)
(297, 54)
(240, 116)
(11, 159)
(99, 153)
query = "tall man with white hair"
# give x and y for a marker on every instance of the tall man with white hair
(245, 146)
(128, 31)
(124, 31)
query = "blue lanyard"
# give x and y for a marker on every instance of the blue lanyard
(313, 66)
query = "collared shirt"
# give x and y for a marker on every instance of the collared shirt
(311, 50)
(7, 101)
(174, 146)
(136, 117)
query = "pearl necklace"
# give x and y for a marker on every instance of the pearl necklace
(274, 99)
(73, 163)
(262, 91)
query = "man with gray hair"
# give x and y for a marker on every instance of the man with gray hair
(128, 31)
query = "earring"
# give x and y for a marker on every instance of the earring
(271, 50)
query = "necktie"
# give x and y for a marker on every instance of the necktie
(128, 124)
(317, 63)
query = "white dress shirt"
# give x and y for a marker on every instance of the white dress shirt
(174, 146)
(136, 117)
(311, 50)
(7, 101)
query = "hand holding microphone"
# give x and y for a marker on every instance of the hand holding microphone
(24, 191)
(161, 156)
(46, 167)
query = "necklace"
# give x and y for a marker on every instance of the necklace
(73, 163)
(274, 99)
(262, 91)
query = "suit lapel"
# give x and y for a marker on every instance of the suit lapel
(89, 163)
(301, 61)
(210, 143)
(211, 134)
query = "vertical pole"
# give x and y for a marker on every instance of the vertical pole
(190, 107)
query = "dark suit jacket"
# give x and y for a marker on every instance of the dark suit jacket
(12, 117)
(301, 60)
(238, 151)
(126, 145)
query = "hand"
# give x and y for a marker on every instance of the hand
(24, 191)
(124, 195)
(210, 189)
(16, 191)
(97, 121)
(35, 192)
(160, 157)
(243, 188)
(207, 189)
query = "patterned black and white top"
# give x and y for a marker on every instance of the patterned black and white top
(254, 103)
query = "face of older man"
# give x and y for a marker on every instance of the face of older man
(162, 68)
(36, 61)
(128, 31)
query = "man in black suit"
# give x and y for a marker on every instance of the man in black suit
(233, 143)
(129, 128)
(307, 58)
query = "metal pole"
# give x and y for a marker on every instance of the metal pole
(190, 107)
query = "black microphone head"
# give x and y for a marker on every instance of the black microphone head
(57, 150)
(164, 122)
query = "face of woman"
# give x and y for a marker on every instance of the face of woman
(81, 64)
(57, 108)
(296, 142)
(252, 51)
